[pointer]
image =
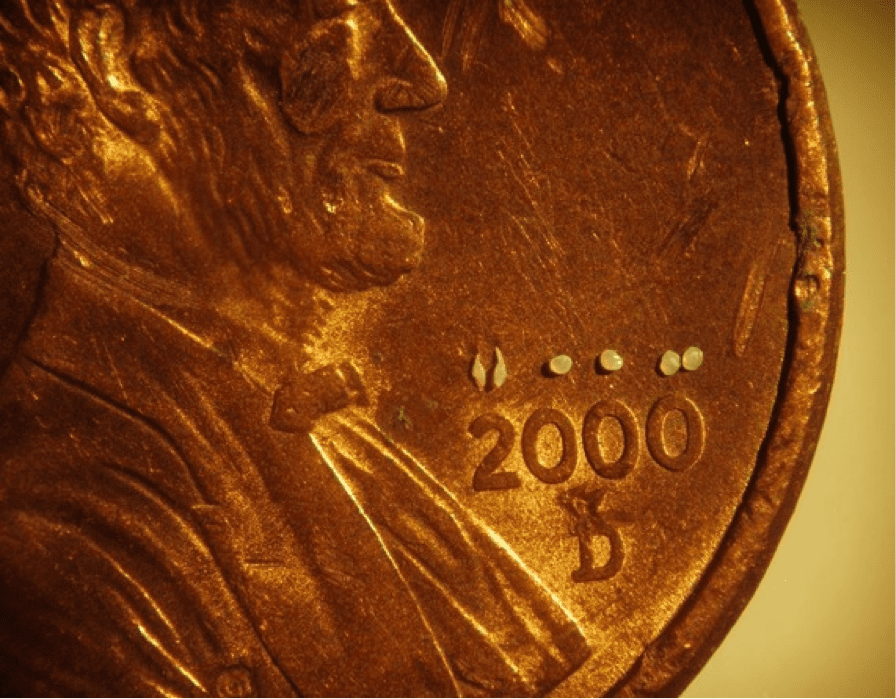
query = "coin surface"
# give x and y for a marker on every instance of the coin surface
(456, 347)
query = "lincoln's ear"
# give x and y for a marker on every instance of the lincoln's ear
(101, 51)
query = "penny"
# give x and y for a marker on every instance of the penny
(308, 388)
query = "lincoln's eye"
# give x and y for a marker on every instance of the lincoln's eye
(316, 78)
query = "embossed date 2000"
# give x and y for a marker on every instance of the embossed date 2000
(489, 476)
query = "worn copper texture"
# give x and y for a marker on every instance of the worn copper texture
(441, 347)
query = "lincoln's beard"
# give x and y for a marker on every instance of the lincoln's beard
(360, 236)
(328, 214)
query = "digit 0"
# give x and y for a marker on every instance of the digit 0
(696, 432)
(564, 468)
(610, 409)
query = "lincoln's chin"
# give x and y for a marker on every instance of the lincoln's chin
(407, 252)
(382, 245)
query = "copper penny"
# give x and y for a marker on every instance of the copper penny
(404, 347)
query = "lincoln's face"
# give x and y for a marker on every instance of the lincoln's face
(194, 138)
(319, 155)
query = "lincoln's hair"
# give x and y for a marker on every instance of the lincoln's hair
(50, 118)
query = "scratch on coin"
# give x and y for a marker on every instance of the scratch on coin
(752, 297)
(683, 234)
(696, 159)
(531, 27)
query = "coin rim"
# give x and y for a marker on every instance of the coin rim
(676, 656)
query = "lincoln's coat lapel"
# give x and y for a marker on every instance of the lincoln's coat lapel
(335, 618)
(338, 608)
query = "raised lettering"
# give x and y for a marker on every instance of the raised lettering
(656, 438)
(486, 476)
(588, 524)
(564, 468)
(609, 409)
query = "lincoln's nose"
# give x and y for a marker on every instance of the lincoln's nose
(412, 80)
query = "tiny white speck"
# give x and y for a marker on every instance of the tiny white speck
(83, 261)
(670, 363)
(610, 360)
(560, 365)
(285, 201)
(692, 358)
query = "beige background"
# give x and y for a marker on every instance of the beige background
(822, 621)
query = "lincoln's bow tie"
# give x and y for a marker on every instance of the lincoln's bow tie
(302, 399)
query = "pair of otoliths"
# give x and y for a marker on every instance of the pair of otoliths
(493, 378)
(609, 361)
(689, 360)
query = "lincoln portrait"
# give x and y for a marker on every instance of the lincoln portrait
(190, 504)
